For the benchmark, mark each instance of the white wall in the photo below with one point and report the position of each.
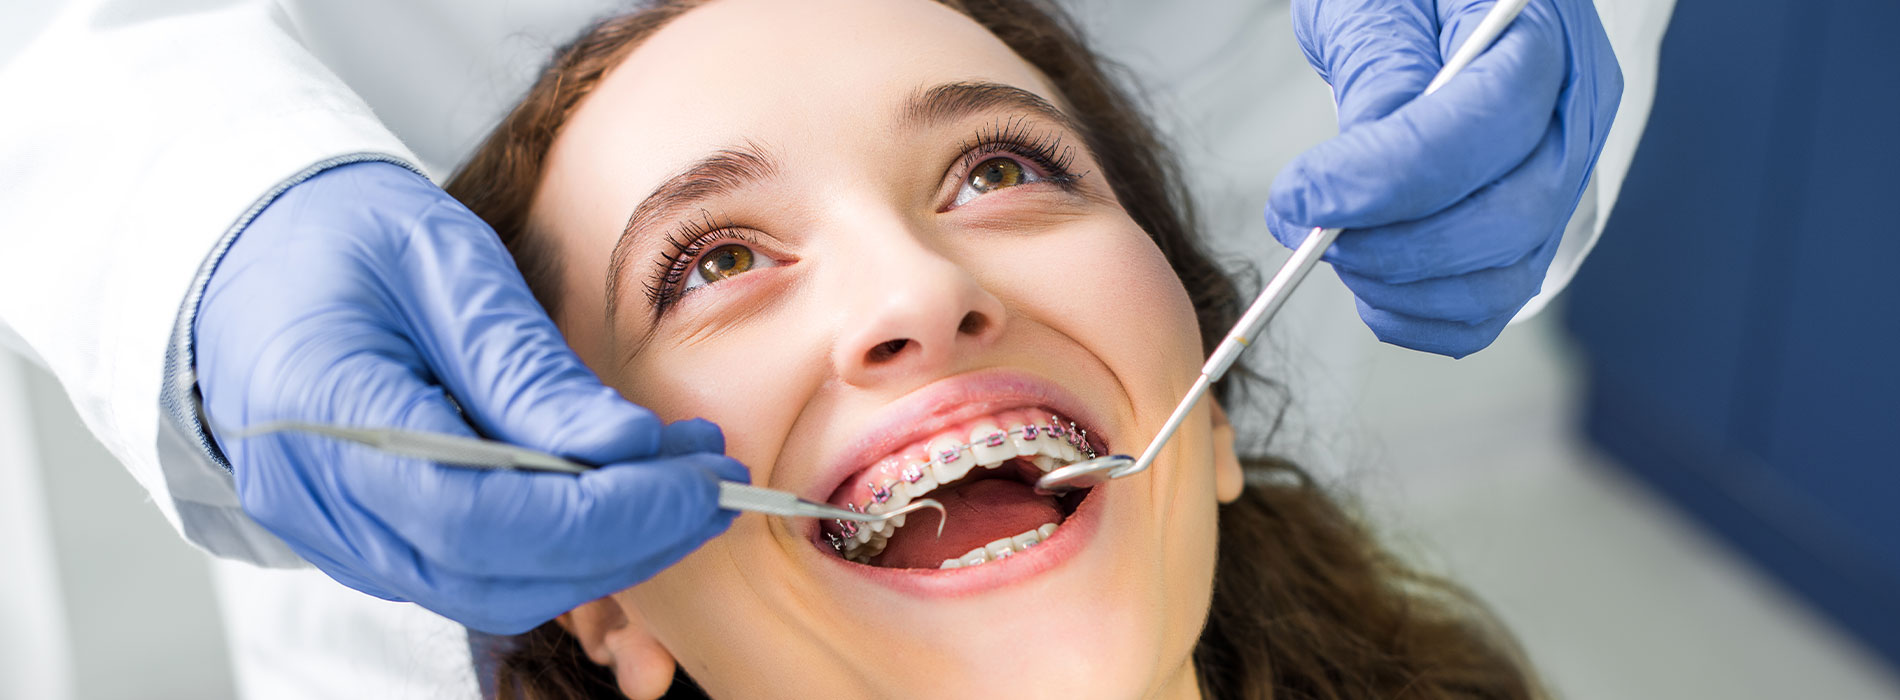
(102, 600)
(35, 658)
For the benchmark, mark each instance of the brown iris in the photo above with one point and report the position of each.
(725, 261)
(995, 174)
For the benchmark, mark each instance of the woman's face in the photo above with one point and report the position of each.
(857, 236)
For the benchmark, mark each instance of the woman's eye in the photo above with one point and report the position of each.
(991, 175)
(725, 262)
(996, 174)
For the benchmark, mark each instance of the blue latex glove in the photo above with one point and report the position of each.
(367, 296)
(1453, 204)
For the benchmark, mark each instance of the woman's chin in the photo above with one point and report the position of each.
(1044, 617)
(1063, 618)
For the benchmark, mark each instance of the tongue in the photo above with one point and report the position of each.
(980, 512)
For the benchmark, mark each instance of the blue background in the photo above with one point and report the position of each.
(1741, 316)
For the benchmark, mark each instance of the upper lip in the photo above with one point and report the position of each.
(942, 404)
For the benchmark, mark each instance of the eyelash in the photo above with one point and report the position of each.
(687, 244)
(1046, 151)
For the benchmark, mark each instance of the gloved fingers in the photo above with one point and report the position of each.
(501, 604)
(1596, 88)
(346, 575)
(339, 502)
(1290, 234)
(1436, 149)
(1376, 58)
(304, 487)
(1454, 339)
(1590, 103)
(288, 481)
(689, 436)
(485, 337)
(1494, 227)
(507, 603)
(509, 523)
(1468, 298)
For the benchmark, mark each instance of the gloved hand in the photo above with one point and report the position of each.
(1454, 203)
(366, 296)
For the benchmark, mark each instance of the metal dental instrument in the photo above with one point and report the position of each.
(1100, 470)
(480, 453)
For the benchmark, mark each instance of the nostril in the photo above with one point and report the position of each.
(973, 324)
(888, 349)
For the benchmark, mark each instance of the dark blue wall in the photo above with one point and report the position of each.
(1741, 316)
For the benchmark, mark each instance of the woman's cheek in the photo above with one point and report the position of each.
(670, 392)
(750, 379)
(707, 370)
(1151, 315)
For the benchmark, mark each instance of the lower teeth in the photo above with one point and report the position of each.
(1001, 549)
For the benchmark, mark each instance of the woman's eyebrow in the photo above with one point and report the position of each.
(950, 102)
(714, 175)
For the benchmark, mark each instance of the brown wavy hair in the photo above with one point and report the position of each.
(1306, 603)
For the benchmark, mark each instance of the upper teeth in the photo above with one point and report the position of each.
(1047, 445)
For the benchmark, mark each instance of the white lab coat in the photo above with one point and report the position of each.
(137, 136)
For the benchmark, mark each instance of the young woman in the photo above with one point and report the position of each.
(915, 249)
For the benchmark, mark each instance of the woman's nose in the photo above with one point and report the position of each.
(912, 312)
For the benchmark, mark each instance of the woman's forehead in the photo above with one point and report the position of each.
(785, 73)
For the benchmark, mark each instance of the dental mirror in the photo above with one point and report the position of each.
(1081, 475)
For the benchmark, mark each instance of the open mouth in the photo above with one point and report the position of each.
(984, 472)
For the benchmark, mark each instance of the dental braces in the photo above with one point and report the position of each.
(1076, 436)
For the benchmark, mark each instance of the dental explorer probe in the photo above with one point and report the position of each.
(1100, 470)
(479, 453)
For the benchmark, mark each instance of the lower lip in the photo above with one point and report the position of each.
(1071, 537)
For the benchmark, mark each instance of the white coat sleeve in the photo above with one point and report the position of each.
(137, 140)
(1636, 30)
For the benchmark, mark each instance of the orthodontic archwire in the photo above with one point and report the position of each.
(1076, 437)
